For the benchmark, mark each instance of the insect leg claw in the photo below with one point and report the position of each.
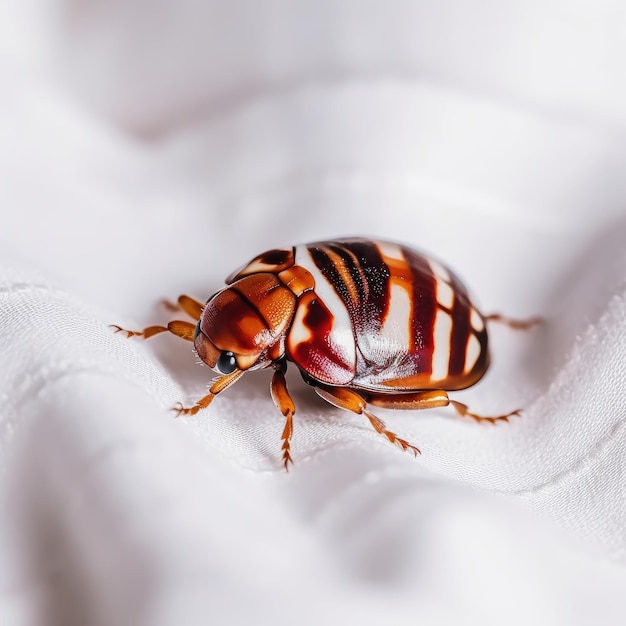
(179, 409)
(119, 329)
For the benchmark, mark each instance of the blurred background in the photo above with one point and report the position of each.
(150, 147)
(243, 118)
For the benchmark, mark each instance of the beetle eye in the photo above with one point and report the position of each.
(226, 363)
(197, 331)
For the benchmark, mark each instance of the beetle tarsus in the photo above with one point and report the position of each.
(179, 409)
(203, 403)
(119, 329)
(514, 323)
(170, 306)
(352, 401)
(284, 403)
(179, 328)
(185, 303)
(464, 411)
(286, 437)
(286, 456)
(381, 429)
(146, 333)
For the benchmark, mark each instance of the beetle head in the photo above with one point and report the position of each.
(244, 325)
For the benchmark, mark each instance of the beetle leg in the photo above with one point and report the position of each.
(284, 402)
(190, 305)
(184, 330)
(352, 401)
(513, 323)
(411, 401)
(218, 386)
(464, 411)
(430, 400)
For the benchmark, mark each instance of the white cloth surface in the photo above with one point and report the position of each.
(175, 148)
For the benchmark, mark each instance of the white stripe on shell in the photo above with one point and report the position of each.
(299, 332)
(472, 352)
(445, 293)
(439, 270)
(441, 351)
(476, 320)
(395, 333)
(391, 250)
(341, 336)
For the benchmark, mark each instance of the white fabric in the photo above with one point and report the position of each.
(164, 144)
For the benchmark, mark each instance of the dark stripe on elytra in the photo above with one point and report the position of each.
(483, 360)
(376, 273)
(461, 328)
(423, 309)
(277, 257)
(354, 269)
(330, 272)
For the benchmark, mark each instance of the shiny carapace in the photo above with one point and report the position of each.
(367, 322)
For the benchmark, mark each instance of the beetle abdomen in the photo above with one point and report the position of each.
(413, 324)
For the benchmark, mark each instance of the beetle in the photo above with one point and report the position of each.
(367, 322)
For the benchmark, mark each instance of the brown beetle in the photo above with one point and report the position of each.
(365, 321)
